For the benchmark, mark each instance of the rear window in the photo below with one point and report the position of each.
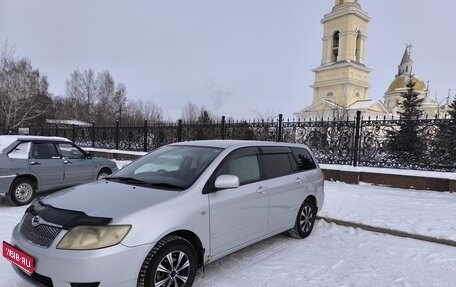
(277, 164)
(304, 159)
(21, 151)
(5, 141)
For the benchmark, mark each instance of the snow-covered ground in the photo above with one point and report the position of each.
(334, 255)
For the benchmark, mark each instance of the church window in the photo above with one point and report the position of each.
(329, 94)
(335, 46)
(357, 94)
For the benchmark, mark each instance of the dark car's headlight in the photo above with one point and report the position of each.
(86, 237)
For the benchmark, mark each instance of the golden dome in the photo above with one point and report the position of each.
(401, 81)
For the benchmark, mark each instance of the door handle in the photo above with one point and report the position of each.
(261, 190)
(298, 180)
(67, 162)
(35, 163)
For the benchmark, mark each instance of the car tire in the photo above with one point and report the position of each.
(103, 173)
(180, 273)
(304, 220)
(22, 192)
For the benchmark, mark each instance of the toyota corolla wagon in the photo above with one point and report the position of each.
(159, 219)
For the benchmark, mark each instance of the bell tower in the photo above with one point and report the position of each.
(342, 77)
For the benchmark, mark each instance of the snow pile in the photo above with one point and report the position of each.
(333, 255)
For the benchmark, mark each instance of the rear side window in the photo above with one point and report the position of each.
(304, 159)
(277, 164)
(21, 151)
(44, 150)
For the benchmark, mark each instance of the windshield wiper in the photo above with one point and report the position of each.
(126, 179)
(165, 185)
(133, 180)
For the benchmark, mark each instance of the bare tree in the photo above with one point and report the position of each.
(267, 116)
(119, 100)
(58, 108)
(138, 111)
(23, 91)
(105, 111)
(82, 90)
(190, 112)
(91, 97)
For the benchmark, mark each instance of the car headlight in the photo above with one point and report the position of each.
(86, 237)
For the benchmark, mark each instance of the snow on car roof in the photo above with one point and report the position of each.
(6, 140)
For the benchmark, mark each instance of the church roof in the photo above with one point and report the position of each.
(361, 105)
(400, 83)
(406, 57)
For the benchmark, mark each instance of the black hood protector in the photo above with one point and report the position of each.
(65, 217)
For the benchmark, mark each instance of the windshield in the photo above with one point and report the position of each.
(169, 167)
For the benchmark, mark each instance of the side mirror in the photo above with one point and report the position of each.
(89, 154)
(227, 181)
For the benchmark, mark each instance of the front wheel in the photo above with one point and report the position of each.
(21, 192)
(172, 262)
(304, 220)
(103, 173)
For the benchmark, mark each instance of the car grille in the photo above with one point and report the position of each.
(42, 235)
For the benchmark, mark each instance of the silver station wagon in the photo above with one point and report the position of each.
(34, 163)
(158, 220)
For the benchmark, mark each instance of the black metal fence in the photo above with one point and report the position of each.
(357, 142)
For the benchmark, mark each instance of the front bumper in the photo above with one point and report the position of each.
(116, 266)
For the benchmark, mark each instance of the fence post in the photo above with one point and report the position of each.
(222, 131)
(73, 133)
(117, 134)
(42, 130)
(179, 131)
(357, 133)
(145, 136)
(93, 134)
(56, 130)
(279, 133)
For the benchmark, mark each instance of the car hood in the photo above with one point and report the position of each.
(108, 199)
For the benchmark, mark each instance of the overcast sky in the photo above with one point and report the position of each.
(236, 57)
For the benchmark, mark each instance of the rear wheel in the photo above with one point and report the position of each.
(304, 220)
(21, 192)
(172, 262)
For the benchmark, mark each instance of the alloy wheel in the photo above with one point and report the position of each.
(173, 270)
(305, 220)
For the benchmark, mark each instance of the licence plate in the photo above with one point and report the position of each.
(18, 258)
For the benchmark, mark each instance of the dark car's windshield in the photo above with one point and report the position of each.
(170, 167)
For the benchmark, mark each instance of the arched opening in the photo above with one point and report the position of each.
(335, 46)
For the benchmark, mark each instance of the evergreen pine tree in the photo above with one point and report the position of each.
(444, 151)
(406, 144)
(410, 103)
